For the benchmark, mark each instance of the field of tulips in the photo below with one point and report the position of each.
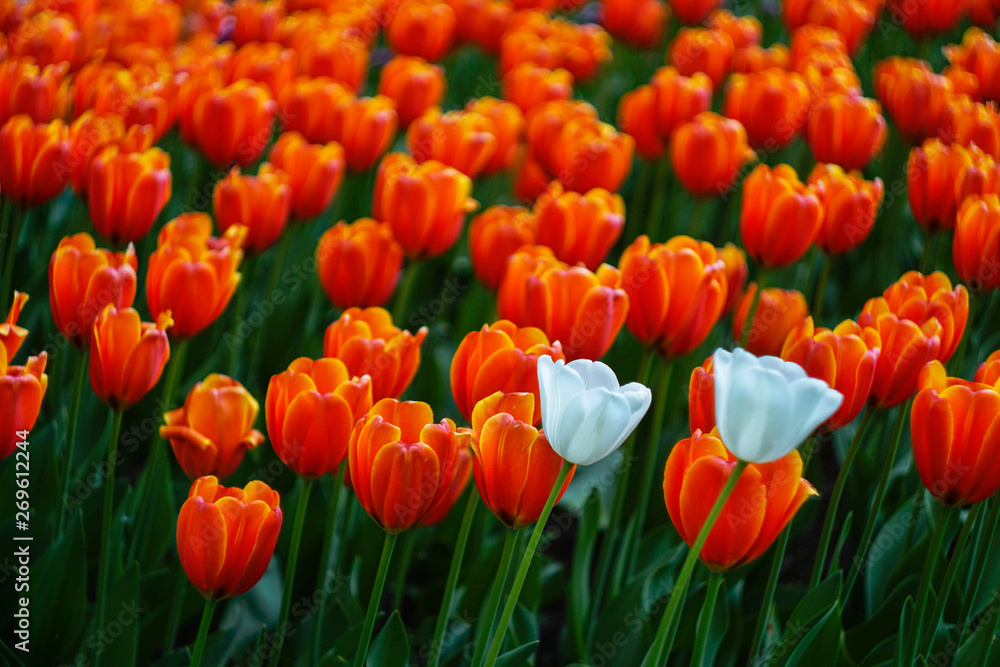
(490, 333)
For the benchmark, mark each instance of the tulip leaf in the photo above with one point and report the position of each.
(718, 628)
(62, 614)
(154, 538)
(806, 634)
(523, 626)
(519, 656)
(391, 648)
(864, 637)
(905, 621)
(886, 562)
(578, 603)
(881, 655)
(820, 644)
(972, 653)
(119, 638)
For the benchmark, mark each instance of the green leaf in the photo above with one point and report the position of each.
(805, 634)
(391, 648)
(578, 602)
(864, 637)
(845, 532)
(519, 656)
(62, 614)
(523, 626)
(153, 538)
(718, 628)
(118, 639)
(886, 563)
(972, 653)
(821, 644)
(905, 621)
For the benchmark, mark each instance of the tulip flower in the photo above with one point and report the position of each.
(41, 171)
(256, 21)
(743, 30)
(693, 11)
(844, 358)
(226, 536)
(676, 291)
(214, 428)
(850, 206)
(916, 98)
(460, 139)
(772, 105)
(501, 357)
(83, 279)
(555, 43)
(528, 85)
(979, 54)
(270, 64)
(232, 124)
(976, 247)
(422, 28)
(413, 84)
(586, 414)
(11, 335)
(127, 192)
(635, 118)
(763, 502)
(48, 37)
(956, 437)
(341, 54)
(755, 58)
(678, 98)
(547, 124)
(424, 204)
(766, 407)
(508, 128)
(701, 398)
(853, 19)
(482, 22)
(26, 88)
(315, 172)
(305, 107)
(583, 310)
(777, 313)
(514, 465)
(779, 216)
(368, 344)
(589, 154)
(737, 272)
(989, 371)
(579, 228)
(192, 274)
(21, 391)
(365, 127)
(496, 234)
(940, 177)
(846, 129)
(311, 409)
(984, 13)
(975, 123)
(636, 22)
(702, 50)
(707, 152)
(127, 356)
(358, 264)
(926, 18)
(261, 204)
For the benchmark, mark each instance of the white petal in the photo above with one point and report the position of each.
(595, 374)
(815, 402)
(788, 369)
(599, 418)
(557, 384)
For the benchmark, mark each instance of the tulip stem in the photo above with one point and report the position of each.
(949, 575)
(452, 582)
(206, 622)
(956, 361)
(705, 617)
(109, 505)
(18, 215)
(522, 570)
(325, 560)
(989, 528)
(403, 295)
(365, 640)
(824, 277)
(838, 491)
(74, 414)
(915, 632)
(754, 303)
(305, 486)
(660, 189)
(665, 634)
(883, 482)
(280, 254)
(403, 568)
(499, 583)
(648, 471)
(235, 339)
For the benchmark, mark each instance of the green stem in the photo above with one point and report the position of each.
(280, 254)
(74, 415)
(176, 607)
(305, 487)
(452, 582)
(705, 617)
(950, 574)
(883, 483)
(956, 363)
(106, 529)
(665, 634)
(648, 472)
(238, 307)
(485, 633)
(206, 622)
(403, 295)
(838, 491)
(990, 526)
(941, 531)
(325, 562)
(403, 568)
(522, 570)
(752, 313)
(18, 216)
(660, 188)
(635, 212)
(365, 640)
(824, 277)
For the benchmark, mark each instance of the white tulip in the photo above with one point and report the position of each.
(585, 414)
(765, 407)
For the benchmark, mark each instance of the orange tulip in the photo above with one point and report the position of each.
(530, 178)
(26, 88)
(579, 228)
(508, 128)
(847, 130)
(422, 28)
(11, 335)
(636, 22)
(956, 437)
(495, 235)
(413, 84)
(49, 37)
(232, 124)
(780, 216)
(707, 152)
(226, 536)
(939, 177)
(191, 274)
(976, 123)
(83, 279)
(677, 291)
(214, 428)
(127, 355)
(141, 95)
(365, 127)
(256, 21)
(404, 467)
(554, 43)
(916, 98)
(928, 17)
(635, 118)
(853, 19)
(844, 358)
(41, 171)
(920, 298)
(425, 204)
(315, 172)
(268, 63)
(678, 98)
(482, 22)
(21, 391)
(809, 40)
(778, 312)
(703, 50)
(693, 11)
(545, 128)
(460, 139)
(850, 205)
(979, 54)
(127, 191)
(369, 344)
(989, 371)
(984, 13)
(976, 248)
(701, 398)
(528, 85)
(90, 133)
(765, 499)
(589, 154)
(500, 357)
(737, 273)
(339, 53)
(311, 409)
(756, 58)
(514, 465)
(358, 264)
(582, 310)
(261, 203)
(305, 105)
(772, 105)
